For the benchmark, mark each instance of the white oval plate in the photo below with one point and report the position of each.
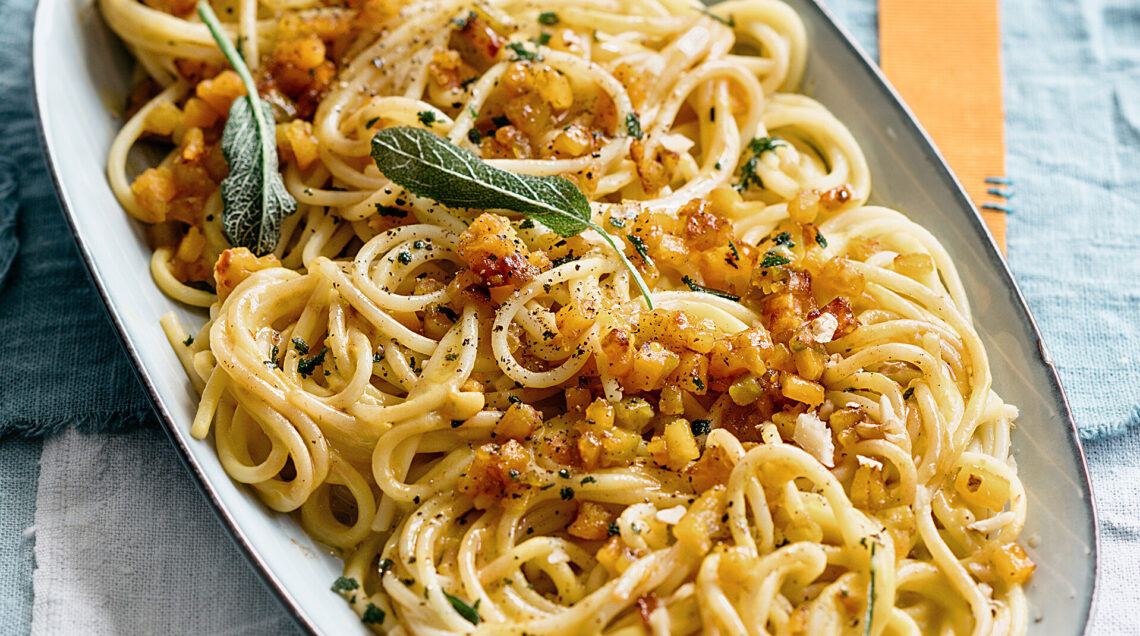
(78, 64)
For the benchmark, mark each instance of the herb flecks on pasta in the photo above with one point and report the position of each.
(641, 359)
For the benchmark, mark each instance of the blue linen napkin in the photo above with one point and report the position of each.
(60, 360)
(1072, 94)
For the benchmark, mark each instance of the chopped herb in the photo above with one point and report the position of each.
(636, 529)
(387, 210)
(542, 40)
(522, 53)
(772, 259)
(762, 145)
(783, 238)
(566, 493)
(419, 245)
(730, 22)
(639, 247)
(300, 345)
(700, 427)
(907, 393)
(451, 357)
(748, 176)
(373, 615)
(474, 136)
(188, 341)
(563, 473)
(758, 147)
(344, 584)
(449, 312)
(273, 351)
(386, 564)
(514, 474)
(548, 18)
(588, 480)
(371, 122)
(377, 358)
(695, 286)
(699, 384)
(633, 126)
(500, 120)
(735, 253)
(870, 595)
(456, 423)
(613, 529)
(462, 22)
(430, 166)
(526, 224)
(514, 399)
(404, 257)
(820, 239)
(716, 165)
(616, 222)
(468, 612)
(562, 260)
(305, 366)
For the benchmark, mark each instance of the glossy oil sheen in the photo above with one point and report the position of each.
(81, 72)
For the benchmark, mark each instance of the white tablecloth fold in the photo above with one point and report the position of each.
(125, 544)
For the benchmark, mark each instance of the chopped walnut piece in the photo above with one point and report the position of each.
(592, 522)
(495, 473)
(655, 170)
(494, 252)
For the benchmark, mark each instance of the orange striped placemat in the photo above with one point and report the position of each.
(945, 59)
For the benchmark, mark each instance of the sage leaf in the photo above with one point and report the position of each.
(254, 197)
(429, 166)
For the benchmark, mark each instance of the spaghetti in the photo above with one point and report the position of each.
(496, 433)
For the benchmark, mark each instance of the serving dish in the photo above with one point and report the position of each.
(81, 71)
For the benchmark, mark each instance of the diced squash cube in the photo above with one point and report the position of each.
(221, 90)
(982, 488)
(518, 422)
(1011, 564)
(696, 530)
(796, 388)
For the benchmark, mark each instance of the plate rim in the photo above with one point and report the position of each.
(234, 530)
(998, 262)
(239, 537)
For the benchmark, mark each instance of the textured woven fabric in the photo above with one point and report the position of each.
(131, 547)
(1114, 465)
(1072, 86)
(62, 363)
(19, 470)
